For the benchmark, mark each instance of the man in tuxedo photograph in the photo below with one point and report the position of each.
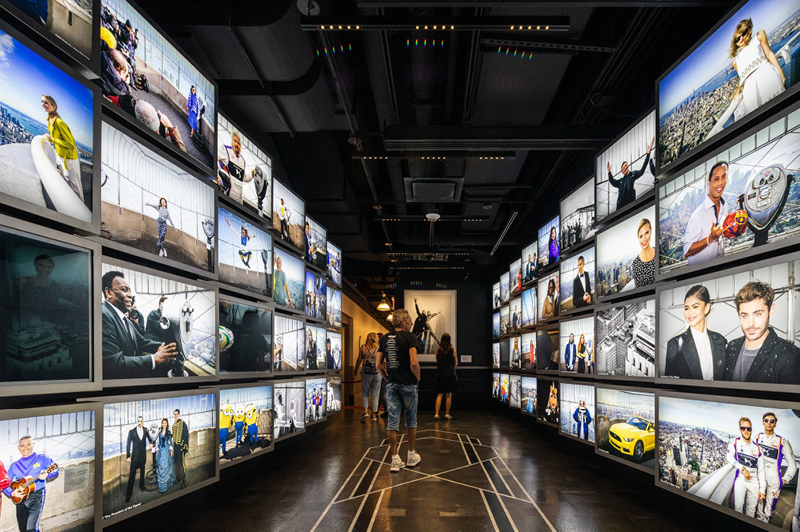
(581, 288)
(126, 353)
(136, 455)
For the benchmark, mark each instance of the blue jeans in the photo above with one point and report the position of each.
(401, 398)
(370, 384)
(162, 233)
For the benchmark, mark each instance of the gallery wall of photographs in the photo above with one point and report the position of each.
(166, 302)
(640, 319)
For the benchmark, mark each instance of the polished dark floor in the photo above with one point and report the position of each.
(491, 470)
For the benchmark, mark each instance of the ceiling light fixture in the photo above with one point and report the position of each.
(411, 23)
(383, 306)
(503, 234)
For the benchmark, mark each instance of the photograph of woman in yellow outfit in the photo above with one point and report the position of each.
(64, 144)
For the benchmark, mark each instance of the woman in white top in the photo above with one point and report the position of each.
(760, 75)
(696, 353)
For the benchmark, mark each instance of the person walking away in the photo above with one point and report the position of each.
(397, 363)
(370, 379)
(446, 362)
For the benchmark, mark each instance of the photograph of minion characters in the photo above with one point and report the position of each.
(744, 197)
(316, 400)
(245, 423)
(548, 402)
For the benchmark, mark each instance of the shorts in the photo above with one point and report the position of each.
(401, 398)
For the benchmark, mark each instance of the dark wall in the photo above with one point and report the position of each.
(473, 337)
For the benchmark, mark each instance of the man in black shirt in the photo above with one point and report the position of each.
(397, 363)
(626, 193)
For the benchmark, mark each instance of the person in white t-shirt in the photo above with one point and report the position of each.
(704, 238)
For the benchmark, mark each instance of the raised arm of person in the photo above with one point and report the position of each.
(611, 180)
(640, 173)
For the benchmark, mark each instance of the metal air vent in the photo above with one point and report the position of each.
(433, 190)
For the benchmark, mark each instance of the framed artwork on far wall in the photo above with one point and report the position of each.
(434, 313)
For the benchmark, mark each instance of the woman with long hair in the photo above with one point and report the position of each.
(165, 471)
(193, 108)
(60, 135)
(370, 379)
(549, 305)
(696, 353)
(552, 248)
(644, 265)
(760, 75)
(583, 354)
(163, 218)
(446, 362)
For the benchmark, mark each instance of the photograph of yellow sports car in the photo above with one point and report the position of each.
(634, 438)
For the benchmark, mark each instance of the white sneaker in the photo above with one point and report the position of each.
(165, 253)
(397, 464)
(413, 459)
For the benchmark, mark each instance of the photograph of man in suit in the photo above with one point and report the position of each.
(760, 355)
(581, 288)
(136, 455)
(180, 444)
(126, 353)
(529, 268)
(570, 354)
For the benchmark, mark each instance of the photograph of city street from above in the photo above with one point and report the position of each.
(626, 340)
(732, 455)
(46, 133)
(728, 76)
(759, 200)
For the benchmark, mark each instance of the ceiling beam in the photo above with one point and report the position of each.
(547, 46)
(545, 138)
(534, 24)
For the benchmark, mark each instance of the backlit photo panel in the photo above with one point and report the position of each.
(505, 320)
(504, 288)
(728, 454)
(315, 348)
(625, 170)
(505, 388)
(245, 254)
(71, 22)
(243, 170)
(495, 355)
(548, 353)
(743, 198)
(288, 215)
(60, 442)
(515, 278)
(577, 281)
(549, 402)
(626, 339)
(496, 295)
(515, 389)
(47, 136)
(549, 296)
(150, 82)
(316, 297)
(577, 346)
(496, 386)
(578, 412)
(316, 244)
(528, 396)
(145, 430)
(529, 307)
(549, 243)
(754, 343)
(289, 353)
(154, 206)
(527, 346)
(333, 350)
(626, 258)
(288, 280)
(334, 310)
(734, 72)
(245, 337)
(515, 314)
(530, 262)
(334, 394)
(156, 327)
(245, 423)
(334, 260)
(47, 320)
(289, 405)
(496, 325)
(316, 400)
(577, 216)
(505, 354)
(515, 352)
(626, 426)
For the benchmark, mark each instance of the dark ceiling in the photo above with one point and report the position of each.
(391, 120)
